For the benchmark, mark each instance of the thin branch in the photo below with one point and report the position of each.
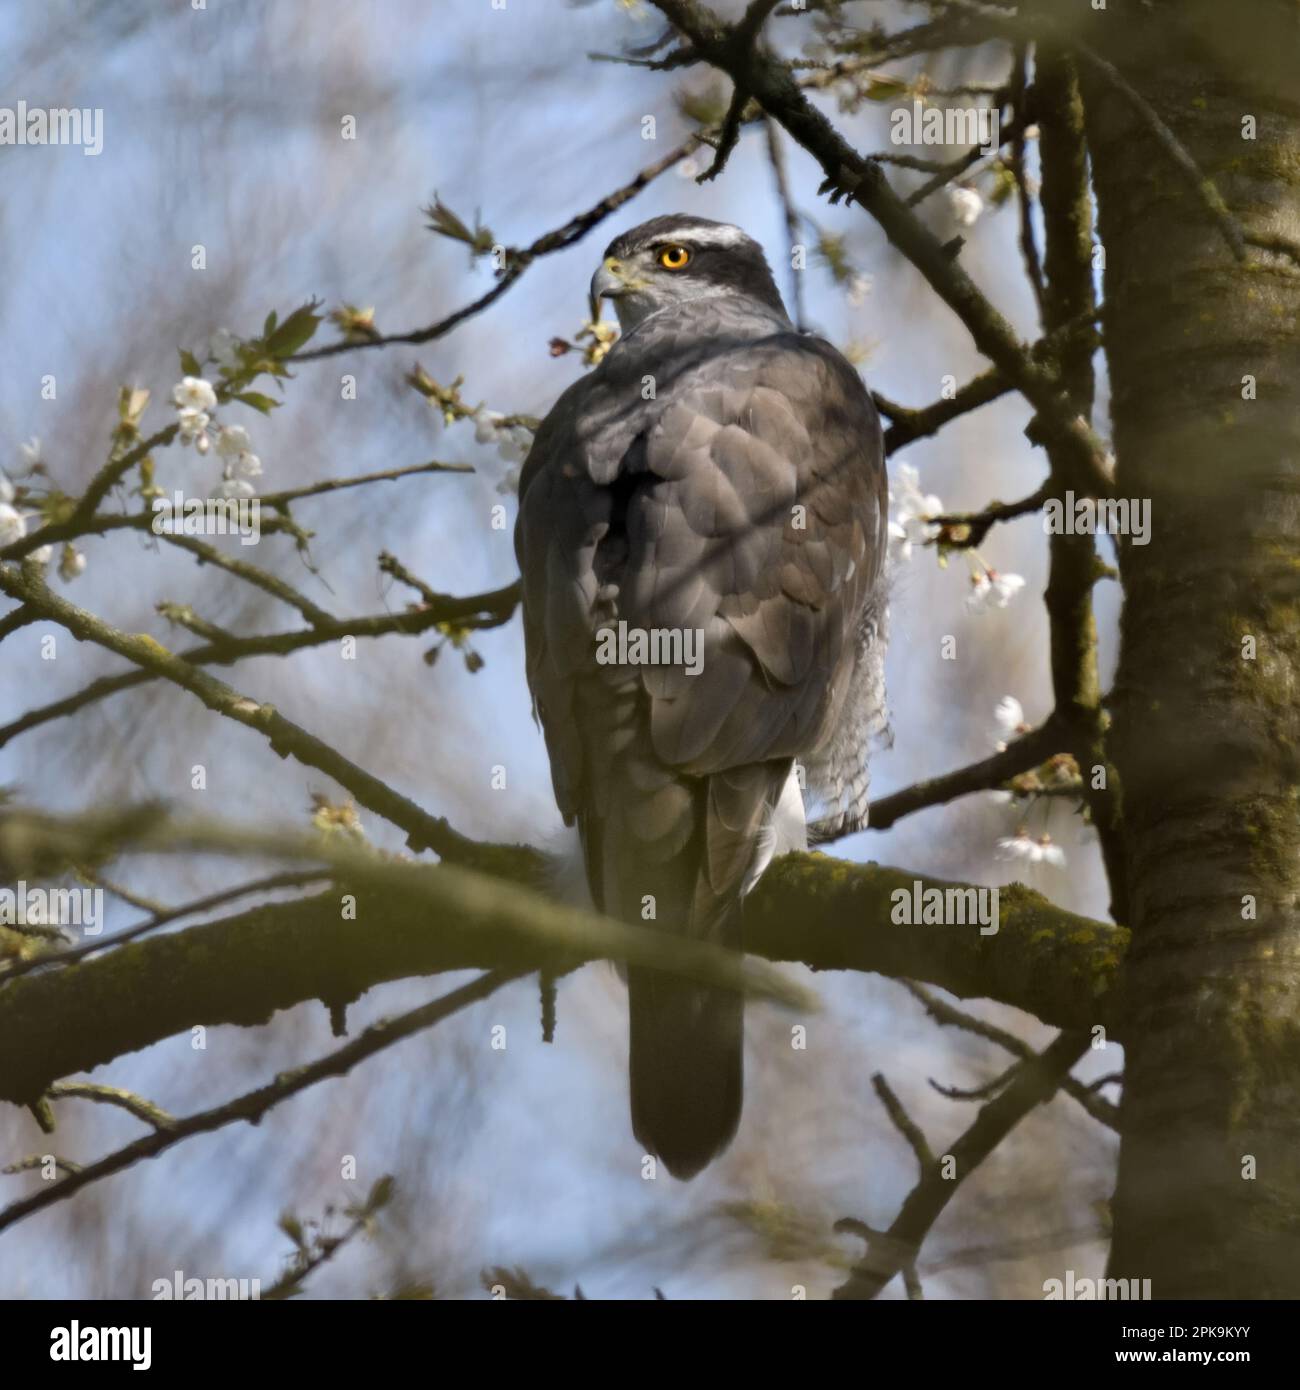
(1031, 750)
(21, 617)
(24, 1165)
(946, 1014)
(776, 158)
(1028, 244)
(729, 136)
(911, 161)
(909, 425)
(966, 530)
(153, 1115)
(286, 738)
(104, 523)
(945, 173)
(825, 913)
(253, 1105)
(233, 649)
(310, 1256)
(989, 1088)
(1074, 566)
(849, 175)
(903, 1122)
(518, 261)
(132, 899)
(160, 917)
(113, 472)
(279, 499)
(207, 554)
(475, 611)
(945, 31)
(888, 1254)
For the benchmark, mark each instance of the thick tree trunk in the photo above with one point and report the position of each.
(1207, 700)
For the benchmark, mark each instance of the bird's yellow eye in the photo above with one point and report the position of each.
(674, 257)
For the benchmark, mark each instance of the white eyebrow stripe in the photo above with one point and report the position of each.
(705, 236)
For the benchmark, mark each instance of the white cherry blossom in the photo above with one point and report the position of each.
(193, 393)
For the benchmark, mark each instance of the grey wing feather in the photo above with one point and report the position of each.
(747, 502)
(773, 496)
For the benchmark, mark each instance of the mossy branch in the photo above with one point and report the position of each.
(420, 920)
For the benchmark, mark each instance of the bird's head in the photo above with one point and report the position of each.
(677, 258)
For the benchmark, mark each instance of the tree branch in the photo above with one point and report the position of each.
(404, 919)
(1031, 750)
(848, 174)
(888, 1254)
(828, 914)
(518, 261)
(286, 738)
(252, 1105)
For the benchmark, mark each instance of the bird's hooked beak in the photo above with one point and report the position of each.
(608, 282)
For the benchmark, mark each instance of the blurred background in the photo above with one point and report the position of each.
(223, 128)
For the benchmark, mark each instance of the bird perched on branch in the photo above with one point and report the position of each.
(702, 536)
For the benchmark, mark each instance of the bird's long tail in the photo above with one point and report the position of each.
(686, 1067)
(686, 1039)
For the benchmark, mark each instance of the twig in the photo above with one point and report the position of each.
(24, 1165)
(965, 530)
(909, 425)
(142, 1109)
(114, 471)
(311, 1254)
(279, 499)
(1028, 245)
(888, 1254)
(161, 917)
(21, 617)
(903, 1122)
(252, 1105)
(989, 1088)
(1034, 748)
(517, 262)
(946, 1014)
(945, 173)
(776, 158)
(850, 176)
(207, 554)
(475, 611)
(423, 831)
(729, 136)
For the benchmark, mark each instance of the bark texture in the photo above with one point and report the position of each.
(1207, 722)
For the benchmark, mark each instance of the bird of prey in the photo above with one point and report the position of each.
(702, 534)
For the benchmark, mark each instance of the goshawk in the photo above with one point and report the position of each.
(702, 534)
